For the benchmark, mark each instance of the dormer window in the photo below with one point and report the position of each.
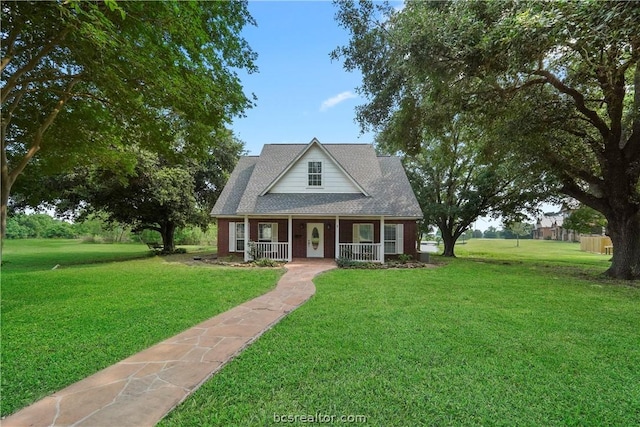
(315, 174)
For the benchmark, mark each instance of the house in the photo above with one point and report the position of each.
(549, 227)
(317, 201)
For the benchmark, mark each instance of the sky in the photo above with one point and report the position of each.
(301, 93)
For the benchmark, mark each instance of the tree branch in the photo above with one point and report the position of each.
(46, 49)
(10, 44)
(572, 189)
(37, 139)
(631, 149)
(578, 98)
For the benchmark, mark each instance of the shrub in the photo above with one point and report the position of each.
(60, 230)
(404, 258)
(344, 262)
(17, 231)
(175, 251)
(266, 262)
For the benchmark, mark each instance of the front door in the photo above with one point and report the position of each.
(315, 240)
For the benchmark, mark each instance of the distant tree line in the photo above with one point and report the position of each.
(96, 229)
(509, 231)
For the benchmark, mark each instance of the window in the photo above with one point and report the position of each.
(315, 174)
(393, 238)
(267, 232)
(239, 236)
(236, 237)
(390, 238)
(363, 233)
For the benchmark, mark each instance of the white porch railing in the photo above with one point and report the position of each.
(370, 252)
(277, 251)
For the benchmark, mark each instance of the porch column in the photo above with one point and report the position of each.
(382, 239)
(337, 238)
(247, 238)
(289, 239)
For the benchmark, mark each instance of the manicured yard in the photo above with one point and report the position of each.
(538, 251)
(44, 254)
(514, 336)
(59, 326)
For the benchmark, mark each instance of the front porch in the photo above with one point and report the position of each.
(277, 251)
(366, 239)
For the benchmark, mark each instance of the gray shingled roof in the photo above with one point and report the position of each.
(383, 178)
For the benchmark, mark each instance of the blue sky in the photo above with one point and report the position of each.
(301, 93)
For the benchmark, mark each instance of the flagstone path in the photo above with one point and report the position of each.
(143, 388)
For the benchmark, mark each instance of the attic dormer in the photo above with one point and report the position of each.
(314, 170)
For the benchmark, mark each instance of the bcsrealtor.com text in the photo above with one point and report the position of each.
(318, 418)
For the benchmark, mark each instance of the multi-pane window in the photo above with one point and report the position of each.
(239, 236)
(390, 238)
(266, 232)
(393, 238)
(364, 233)
(315, 174)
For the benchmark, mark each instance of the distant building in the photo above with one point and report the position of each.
(549, 227)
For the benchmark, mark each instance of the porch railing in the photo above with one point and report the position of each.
(277, 251)
(370, 252)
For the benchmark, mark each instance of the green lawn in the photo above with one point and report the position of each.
(44, 254)
(59, 326)
(505, 336)
(538, 251)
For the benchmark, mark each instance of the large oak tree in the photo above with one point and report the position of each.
(82, 80)
(160, 194)
(459, 174)
(559, 81)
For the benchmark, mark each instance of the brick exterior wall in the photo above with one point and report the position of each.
(223, 237)
(299, 234)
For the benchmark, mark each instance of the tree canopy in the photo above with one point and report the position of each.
(585, 220)
(557, 82)
(458, 177)
(160, 194)
(83, 80)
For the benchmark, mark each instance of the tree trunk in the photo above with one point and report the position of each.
(4, 201)
(624, 230)
(167, 232)
(449, 243)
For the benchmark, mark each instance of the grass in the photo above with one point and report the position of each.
(533, 251)
(507, 336)
(59, 326)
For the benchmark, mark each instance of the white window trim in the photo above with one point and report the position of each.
(244, 238)
(315, 173)
(233, 239)
(399, 240)
(232, 236)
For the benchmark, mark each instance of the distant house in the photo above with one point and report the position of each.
(317, 201)
(549, 227)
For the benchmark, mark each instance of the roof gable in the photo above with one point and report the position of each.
(385, 187)
(289, 180)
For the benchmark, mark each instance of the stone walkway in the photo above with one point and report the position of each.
(143, 388)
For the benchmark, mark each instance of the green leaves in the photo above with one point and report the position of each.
(556, 84)
(83, 80)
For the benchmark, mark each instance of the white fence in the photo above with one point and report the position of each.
(361, 251)
(278, 251)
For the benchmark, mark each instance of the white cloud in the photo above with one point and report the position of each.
(335, 100)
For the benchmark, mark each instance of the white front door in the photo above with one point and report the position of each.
(315, 240)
